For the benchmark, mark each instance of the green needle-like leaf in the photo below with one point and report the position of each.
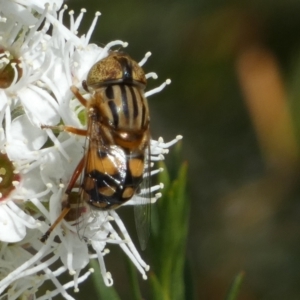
(170, 224)
(235, 286)
(136, 293)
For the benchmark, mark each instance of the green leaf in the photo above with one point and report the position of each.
(157, 290)
(82, 117)
(168, 237)
(136, 293)
(235, 286)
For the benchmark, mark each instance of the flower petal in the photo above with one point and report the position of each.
(11, 230)
(77, 256)
(38, 109)
(32, 136)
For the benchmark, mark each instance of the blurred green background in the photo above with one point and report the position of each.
(235, 97)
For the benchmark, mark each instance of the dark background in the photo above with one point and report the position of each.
(235, 98)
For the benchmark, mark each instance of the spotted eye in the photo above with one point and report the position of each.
(115, 68)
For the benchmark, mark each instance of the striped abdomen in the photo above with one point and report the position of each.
(112, 177)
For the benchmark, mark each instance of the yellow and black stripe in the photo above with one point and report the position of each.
(118, 133)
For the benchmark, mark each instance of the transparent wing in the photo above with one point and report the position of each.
(93, 144)
(142, 207)
(82, 211)
(103, 176)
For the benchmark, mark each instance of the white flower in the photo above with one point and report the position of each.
(24, 184)
(34, 91)
(23, 105)
(22, 10)
(27, 264)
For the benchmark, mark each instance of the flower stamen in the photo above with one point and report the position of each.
(151, 75)
(92, 27)
(158, 89)
(79, 19)
(144, 60)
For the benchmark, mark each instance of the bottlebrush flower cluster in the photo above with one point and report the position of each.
(40, 59)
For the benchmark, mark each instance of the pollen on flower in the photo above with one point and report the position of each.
(10, 70)
(158, 89)
(144, 60)
(157, 196)
(106, 251)
(9, 179)
(109, 278)
(112, 236)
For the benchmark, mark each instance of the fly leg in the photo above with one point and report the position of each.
(59, 128)
(78, 170)
(76, 93)
(70, 129)
(66, 202)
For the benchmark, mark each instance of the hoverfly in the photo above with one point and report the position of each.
(118, 139)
